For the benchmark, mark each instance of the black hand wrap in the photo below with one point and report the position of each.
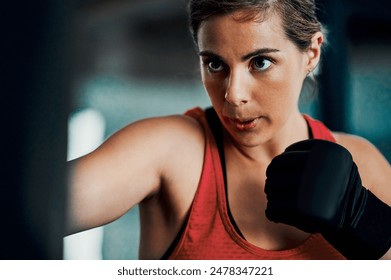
(315, 186)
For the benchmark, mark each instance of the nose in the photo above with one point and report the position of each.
(238, 89)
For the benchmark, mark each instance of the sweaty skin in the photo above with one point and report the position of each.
(253, 75)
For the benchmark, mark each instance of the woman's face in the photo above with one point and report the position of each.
(253, 75)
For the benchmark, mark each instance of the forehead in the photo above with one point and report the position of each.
(231, 30)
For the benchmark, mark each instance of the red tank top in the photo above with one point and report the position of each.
(209, 232)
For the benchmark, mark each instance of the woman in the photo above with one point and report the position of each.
(199, 179)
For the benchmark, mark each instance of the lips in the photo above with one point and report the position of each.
(244, 124)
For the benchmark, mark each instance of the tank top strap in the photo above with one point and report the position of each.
(318, 130)
(204, 214)
(208, 232)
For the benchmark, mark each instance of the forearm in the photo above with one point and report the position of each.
(387, 255)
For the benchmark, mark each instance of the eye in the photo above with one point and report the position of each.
(215, 65)
(261, 64)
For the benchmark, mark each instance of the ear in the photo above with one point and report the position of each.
(314, 52)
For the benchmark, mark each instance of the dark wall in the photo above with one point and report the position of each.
(355, 92)
(35, 99)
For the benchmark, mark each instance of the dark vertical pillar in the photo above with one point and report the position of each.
(34, 108)
(334, 79)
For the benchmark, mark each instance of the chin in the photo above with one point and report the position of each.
(249, 140)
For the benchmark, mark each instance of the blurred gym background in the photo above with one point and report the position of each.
(75, 72)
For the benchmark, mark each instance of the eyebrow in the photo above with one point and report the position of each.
(258, 52)
(244, 57)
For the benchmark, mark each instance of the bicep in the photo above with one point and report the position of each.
(106, 183)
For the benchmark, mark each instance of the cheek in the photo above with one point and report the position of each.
(215, 88)
(279, 99)
(278, 91)
(287, 84)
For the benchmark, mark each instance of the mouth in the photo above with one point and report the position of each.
(244, 124)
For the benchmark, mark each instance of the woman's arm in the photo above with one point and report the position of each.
(328, 195)
(127, 168)
(375, 170)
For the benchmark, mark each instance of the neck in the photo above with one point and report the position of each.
(294, 130)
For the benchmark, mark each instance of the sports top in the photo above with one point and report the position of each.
(210, 231)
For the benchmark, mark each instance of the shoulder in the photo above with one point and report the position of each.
(160, 131)
(162, 143)
(168, 137)
(148, 148)
(144, 155)
(375, 170)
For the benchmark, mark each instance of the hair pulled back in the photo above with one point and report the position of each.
(299, 17)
